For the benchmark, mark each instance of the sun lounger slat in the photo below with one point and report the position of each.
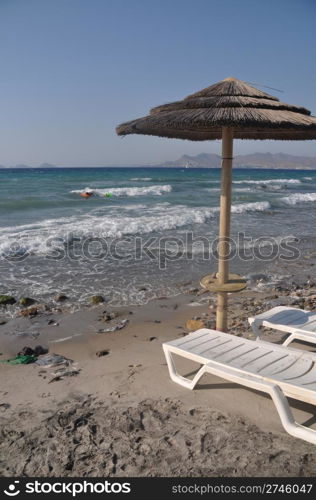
(311, 384)
(307, 379)
(288, 319)
(252, 356)
(191, 340)
(310, 325)
(199, 346)
(241, 357)
(264, 362)
(206, 345)
(295, 372)
(293, 366)
(219, 348)
(274, 362)
(283, 312)
(234, 352)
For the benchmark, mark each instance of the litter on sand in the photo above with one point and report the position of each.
(63, 372)
(65, 367)
(117, 326)
(24, 359)
(50, 360)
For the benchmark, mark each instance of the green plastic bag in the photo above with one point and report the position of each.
(20, 360)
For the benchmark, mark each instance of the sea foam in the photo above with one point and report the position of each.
(141, 179)
(269, 181)
(295, 198)
(42, 237)
(257, 206)
(127, 191)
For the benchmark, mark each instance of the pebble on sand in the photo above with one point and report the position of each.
(97, 299)
(60, 297)
(103, 352)
(29, 312)
(26, 301)
(7, 300)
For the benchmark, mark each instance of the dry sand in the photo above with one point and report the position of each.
(123, 416)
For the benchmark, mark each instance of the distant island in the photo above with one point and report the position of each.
(267, 160)
(209, 160)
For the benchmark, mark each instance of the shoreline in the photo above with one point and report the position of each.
(128, 387)
(262, 276)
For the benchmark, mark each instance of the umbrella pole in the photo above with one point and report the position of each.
(224, 225)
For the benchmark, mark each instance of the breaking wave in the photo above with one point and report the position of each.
(126, 191)
(295, 198)
(41, 237)
(269, 181)
(145, 179)
(258, 206)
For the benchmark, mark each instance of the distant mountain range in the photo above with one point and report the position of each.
(267, 160)
(209, 160)
(43, 165)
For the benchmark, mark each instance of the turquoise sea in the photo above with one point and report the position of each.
(144, 231)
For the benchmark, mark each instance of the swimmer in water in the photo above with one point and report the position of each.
(86, 194)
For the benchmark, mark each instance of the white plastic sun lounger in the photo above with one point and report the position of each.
(270, 368)
(299, 323)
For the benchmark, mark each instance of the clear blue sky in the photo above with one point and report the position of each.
(71, 70)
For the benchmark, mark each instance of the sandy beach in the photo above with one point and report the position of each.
(115, 411)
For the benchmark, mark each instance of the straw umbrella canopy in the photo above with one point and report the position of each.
(226, 110)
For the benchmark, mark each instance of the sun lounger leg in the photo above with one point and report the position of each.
(289, 339)
(179, 379)
(287, 418)
(309, 337)
(280, 401)
(255, 328)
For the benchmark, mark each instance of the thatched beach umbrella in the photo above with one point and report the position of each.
(226, 110)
